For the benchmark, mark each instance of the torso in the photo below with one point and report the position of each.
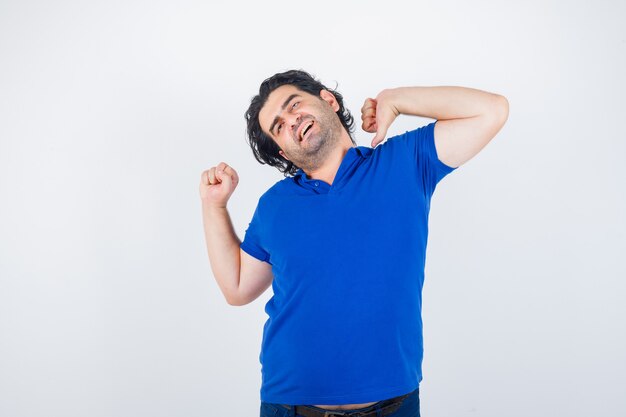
(345, 406)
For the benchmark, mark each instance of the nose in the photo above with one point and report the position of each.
(294, 120)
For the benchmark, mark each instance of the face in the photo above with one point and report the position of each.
(304, 126)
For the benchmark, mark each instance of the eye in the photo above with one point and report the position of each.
(295, 104)
(278, 129)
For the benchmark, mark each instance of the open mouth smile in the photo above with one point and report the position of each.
(304, 129)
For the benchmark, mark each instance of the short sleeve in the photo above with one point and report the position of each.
(251, 243)
(420, 144)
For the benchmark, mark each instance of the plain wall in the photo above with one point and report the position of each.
(110, 111)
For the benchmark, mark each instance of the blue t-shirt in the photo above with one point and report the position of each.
(344, 324)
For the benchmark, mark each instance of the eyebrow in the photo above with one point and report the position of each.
(291, 97)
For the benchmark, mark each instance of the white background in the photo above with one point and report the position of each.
(109, 113)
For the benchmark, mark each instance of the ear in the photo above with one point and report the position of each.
(283, 154)
(328, 97)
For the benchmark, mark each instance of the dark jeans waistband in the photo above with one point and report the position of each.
(380, 404)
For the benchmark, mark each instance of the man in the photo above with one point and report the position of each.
(342, 239)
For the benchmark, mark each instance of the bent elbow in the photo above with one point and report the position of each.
(234, 302)
(503, 106)
(237, 301)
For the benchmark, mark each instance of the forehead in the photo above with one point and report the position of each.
(275, 100)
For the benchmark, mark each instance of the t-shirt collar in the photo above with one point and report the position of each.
(354, 153)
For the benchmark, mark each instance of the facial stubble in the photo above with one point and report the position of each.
(312, 154)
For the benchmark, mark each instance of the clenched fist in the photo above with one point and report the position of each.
(217, 185)
(378, 114)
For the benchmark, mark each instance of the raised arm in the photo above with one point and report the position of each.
(467, 118)
(241, 277)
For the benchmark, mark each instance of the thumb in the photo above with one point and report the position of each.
(380, 135)
(224, 178)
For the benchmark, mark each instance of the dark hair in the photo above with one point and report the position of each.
(264, 148)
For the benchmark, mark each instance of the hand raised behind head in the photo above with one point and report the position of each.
(377, 115)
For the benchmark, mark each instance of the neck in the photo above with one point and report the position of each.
(328, 170)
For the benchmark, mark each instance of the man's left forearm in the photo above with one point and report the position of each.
(442, 102)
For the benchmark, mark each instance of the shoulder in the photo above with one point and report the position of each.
(277, 190)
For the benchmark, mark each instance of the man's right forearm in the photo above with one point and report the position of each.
(223, 248)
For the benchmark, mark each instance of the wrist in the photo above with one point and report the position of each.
(391, 97)
(212, 207)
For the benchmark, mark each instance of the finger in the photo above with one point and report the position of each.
(221, 166)
(211, 175)
(224, 178)
(227, 170)
(369, 121)
(204, 178)
(369, 126)
(371, 112)
(233, 174)
(369, 102)
(220, 171)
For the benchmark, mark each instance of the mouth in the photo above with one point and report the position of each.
(304, 129)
